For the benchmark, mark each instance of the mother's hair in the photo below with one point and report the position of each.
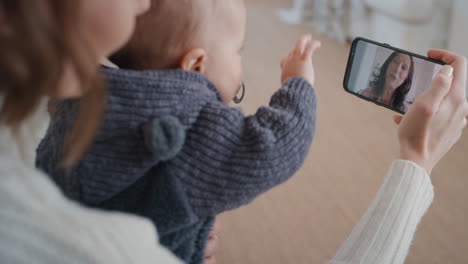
(38, 39)
(400, 93)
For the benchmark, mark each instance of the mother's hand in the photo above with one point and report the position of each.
(435, 121)
(212, 244)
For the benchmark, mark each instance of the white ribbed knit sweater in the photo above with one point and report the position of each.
(39, 225)
(385, 232)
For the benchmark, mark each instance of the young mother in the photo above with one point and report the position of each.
(51, 49)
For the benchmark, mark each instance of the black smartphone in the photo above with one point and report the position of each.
(388, 76)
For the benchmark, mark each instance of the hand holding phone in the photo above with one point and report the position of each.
(386, 75)
(436, 120)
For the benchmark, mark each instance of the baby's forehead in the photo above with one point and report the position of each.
(211, 17)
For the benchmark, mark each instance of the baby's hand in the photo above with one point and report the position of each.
(299, 61)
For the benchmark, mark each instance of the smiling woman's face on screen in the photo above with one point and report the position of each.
(397, 71)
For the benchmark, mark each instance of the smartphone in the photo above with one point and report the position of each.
(388, 76)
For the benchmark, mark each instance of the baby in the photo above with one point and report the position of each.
(170, 147)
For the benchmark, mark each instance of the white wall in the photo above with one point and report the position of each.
(401, 24)
(458, 41)
(409, 24)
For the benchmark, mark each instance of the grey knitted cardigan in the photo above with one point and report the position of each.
(169, 149)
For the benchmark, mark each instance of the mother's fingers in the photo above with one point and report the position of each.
(216, 228)
(440, 87)
(459, 65)
(211, 246)
(442, 55)
(461, 129)
(397, 119)
(461, 111)
(210, 260)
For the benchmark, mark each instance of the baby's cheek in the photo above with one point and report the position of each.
(232, 91)
(225, 91)
(234, 85)
(239, 80)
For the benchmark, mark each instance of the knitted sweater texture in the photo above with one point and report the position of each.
(169, 149)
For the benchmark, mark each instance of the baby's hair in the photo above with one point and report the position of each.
(164, 34)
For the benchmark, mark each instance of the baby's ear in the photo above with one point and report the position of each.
(194, 60)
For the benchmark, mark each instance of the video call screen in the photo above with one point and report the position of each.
(389, 77)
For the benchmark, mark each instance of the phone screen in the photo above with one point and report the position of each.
(388, 76)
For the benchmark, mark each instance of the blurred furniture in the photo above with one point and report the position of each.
(328, 16)
(458, 41)
(415, 25)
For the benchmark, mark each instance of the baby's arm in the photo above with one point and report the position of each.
(229, 159)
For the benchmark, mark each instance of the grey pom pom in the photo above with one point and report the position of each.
(164, 137)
